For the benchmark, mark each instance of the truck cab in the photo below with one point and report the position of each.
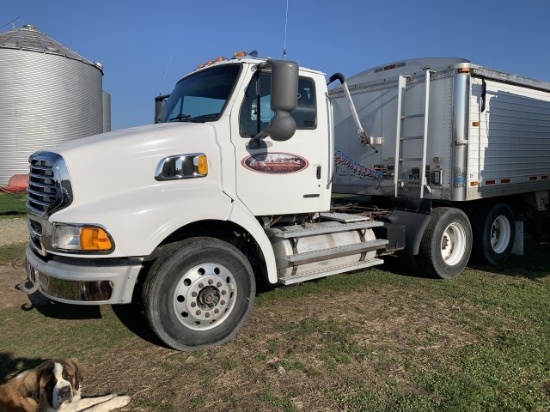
(235, 97)
(231, 183)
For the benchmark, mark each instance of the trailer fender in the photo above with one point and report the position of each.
(415, 225)
(240, 215)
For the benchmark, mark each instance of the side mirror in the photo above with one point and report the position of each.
(284, 96)
(159, 104)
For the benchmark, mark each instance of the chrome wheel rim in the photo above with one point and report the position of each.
(205, 296)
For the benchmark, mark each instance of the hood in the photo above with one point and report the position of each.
(125, 160)
(136, 136)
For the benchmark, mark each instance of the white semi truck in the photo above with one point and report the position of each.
(235, 180)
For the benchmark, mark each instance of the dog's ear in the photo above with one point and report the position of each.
(78, 373)
(32, 382)
(78, 377)
(41, 380)
(36, 393)
(29, 386)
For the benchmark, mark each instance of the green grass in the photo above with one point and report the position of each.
(376, 340)
(12, 205)
(9, 253)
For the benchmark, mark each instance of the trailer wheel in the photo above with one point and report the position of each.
(198, 293)
(447, 243)
(494, 234)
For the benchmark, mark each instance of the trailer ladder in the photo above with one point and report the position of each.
(400, 138)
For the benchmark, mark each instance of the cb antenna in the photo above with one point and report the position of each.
(286, 25)
(165, 73)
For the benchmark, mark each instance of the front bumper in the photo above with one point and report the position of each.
(84, 281)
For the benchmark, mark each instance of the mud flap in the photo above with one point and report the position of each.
(414, 215)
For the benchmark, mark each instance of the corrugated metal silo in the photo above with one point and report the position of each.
(48, 94)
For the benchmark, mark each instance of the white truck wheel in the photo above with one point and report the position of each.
(447, 243)
(198, 293)
(494, 234)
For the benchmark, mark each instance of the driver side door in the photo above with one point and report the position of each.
(281, 177)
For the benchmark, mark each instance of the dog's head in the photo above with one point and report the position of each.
(51, 387)
(57, 381)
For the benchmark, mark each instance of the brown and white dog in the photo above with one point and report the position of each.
(53, 386)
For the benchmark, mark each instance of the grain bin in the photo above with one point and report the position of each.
(48, 94)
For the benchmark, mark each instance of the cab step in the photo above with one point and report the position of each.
(334, 270)
(313, 229)
(335, 252)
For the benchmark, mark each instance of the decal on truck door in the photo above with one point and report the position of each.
(275, 163)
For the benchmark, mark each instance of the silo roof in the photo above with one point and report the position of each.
(28, 38)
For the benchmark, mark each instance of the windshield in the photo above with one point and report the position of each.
(200, 97)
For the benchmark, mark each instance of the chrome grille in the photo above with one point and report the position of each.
(35, 238)
(49, 186)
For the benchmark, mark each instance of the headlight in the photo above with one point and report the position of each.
(81, 238)
(184, 166)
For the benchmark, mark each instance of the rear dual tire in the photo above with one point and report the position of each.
(446, 244)
(494, 233)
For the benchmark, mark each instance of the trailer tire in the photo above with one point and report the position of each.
(446, 244)
(198, 293)
(494, 234)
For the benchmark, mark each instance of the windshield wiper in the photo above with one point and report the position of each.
(203, 118)
(180, 118)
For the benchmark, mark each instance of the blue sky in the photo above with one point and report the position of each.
(145, 46)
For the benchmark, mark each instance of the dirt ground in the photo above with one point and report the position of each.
(13, 231)
(12, 283)
(268, 366)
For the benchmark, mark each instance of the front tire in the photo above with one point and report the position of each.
(198, 293)
(446, 244)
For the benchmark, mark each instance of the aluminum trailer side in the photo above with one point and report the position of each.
(476, 132)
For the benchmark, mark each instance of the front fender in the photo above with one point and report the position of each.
(139, 221)
(240, 215)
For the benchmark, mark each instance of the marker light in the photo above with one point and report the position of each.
(201, 164)
(222, 59)
(94, 239)
(78, 238)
